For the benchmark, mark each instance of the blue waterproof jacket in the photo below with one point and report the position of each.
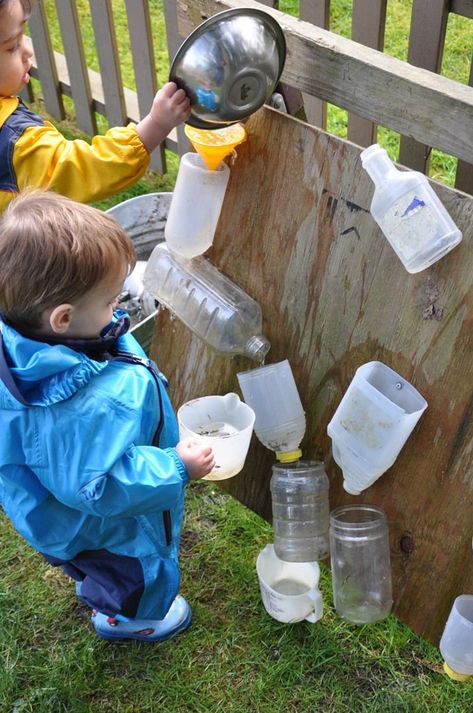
(77, 468)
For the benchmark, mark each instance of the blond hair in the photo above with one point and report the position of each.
(53, 251)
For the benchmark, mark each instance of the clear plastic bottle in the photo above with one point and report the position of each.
(208, 302)
(300, 511)
(361, 565)
(272, 393)
(409, 212)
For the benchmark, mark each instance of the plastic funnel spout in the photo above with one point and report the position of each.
(214, 145)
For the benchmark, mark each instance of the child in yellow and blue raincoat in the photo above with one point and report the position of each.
(91, 471)
(33, 153)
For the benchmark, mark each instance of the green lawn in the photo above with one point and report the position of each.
(234, 658)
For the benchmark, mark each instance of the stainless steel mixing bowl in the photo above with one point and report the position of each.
(229, 66)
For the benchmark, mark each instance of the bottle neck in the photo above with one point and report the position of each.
(378, 165)
(257, 347)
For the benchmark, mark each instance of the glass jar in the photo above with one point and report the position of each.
(361, 567)
(300, 511)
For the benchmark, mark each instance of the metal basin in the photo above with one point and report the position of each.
(229, 66)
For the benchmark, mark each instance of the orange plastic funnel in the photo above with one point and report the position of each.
(213, 145)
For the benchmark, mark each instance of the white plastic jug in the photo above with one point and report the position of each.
(289, 590)
(409, 212)
(371, 424)
(223, 422)
(195, 207)
(280, 420)
(456, 644)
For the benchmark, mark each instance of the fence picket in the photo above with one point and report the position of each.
(464, 175)
(105, 40)
(139, 26)
(76, 64)
(368, 23)
(318, 13)
(426, 42)
(46, 72)
(173, 43)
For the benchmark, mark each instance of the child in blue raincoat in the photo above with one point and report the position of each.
(91, 471)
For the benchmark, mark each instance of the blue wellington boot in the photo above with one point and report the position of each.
(176, 620)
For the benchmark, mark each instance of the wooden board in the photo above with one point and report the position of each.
(296, 233)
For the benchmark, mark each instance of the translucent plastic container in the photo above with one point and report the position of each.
(372, 423)
(299, 493)
(280, 420)
(361, 564)
(208, 302)
(223, 422)
(456, 644)
(409, 212)
(289, 590)
(195, 207)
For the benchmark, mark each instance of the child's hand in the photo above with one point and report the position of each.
(171, 106)
(198, 459)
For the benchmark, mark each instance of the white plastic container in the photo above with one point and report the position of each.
(216, 309)
(371, 424)
(456, 644)
(289, 590)
(409, 212)
(223, 422)
(195, 207)
(280, 420)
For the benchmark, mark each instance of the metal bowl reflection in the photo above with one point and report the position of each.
(229, 66)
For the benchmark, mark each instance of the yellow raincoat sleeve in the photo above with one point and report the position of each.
(43, 158)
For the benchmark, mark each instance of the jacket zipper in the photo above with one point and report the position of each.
(167, 526)
(148, 364)
(155, 373)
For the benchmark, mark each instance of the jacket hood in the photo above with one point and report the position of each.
(44, 374)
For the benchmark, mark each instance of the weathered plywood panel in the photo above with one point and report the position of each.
(296, 233)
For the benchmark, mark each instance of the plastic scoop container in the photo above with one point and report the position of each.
(372, 423)
(223, 422)
(289, 590)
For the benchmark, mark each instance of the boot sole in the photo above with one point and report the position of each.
(151, 639)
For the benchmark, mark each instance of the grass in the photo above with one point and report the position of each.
(234, 658)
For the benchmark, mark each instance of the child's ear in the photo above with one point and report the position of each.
(60, 318)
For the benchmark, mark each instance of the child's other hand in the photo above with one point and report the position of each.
(198, 459)
(171, 106)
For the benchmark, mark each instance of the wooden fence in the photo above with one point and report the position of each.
(105, 93)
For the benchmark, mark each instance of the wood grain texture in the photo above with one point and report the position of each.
(295, 232)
